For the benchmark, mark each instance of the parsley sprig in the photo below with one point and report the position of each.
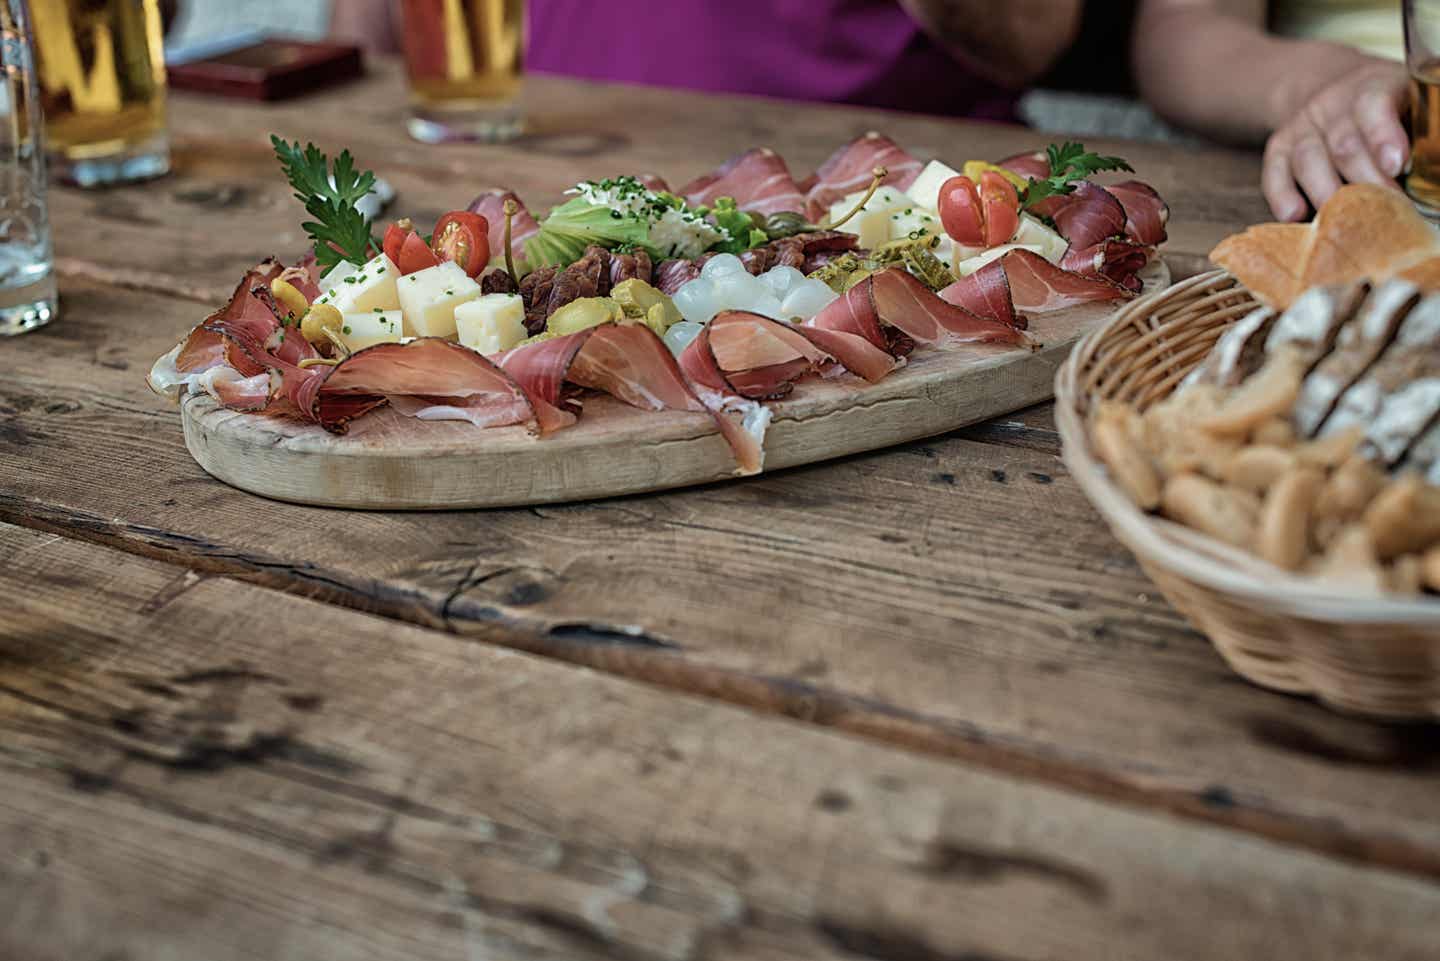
(1069, 163)
(340, 231)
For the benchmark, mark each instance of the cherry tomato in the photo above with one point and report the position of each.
(999, 207)
(395, 235)
(960, 212)
(415, 254)
(464, 238)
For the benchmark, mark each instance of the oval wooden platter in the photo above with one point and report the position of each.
(392, 462)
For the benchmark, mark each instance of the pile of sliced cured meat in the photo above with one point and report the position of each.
(243, 357)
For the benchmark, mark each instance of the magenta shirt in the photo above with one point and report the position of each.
(844, 51)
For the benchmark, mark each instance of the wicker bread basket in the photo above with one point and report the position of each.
(1363, 654)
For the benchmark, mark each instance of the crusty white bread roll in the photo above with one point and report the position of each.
(1267, 259)
(1363, 231)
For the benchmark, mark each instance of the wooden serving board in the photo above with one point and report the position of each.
(393, 462)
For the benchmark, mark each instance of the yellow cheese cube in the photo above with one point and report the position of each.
(359, 331)
(429, 297)
(925, 191)
(1033, 233)
(968, 265)
(493, 323)
(369, 286)
(872, 223)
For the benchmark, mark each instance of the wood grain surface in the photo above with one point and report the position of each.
(172, 738)
(914, 705)
(390, 461)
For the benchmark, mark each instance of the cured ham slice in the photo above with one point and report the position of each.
(1038, 285)
(1146, 214)
(428, 378)
(1029, 165)
(1118, 260)
(238, 350)
(491, 206)
(853, 352)
(759, 358)
(848, 170)
(654, 182)
(234, 391)
(985, 293)
(627, 361)
(896, 299)
(633, 365)
(1087, 216)
(713, 364)
(540, 369)
(758, 180)
(305, 275)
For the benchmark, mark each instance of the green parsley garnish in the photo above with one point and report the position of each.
(1069, 163)
(339, 230)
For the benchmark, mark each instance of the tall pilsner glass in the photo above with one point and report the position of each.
(1422, 56)
(465, 59)
(27, 281)
(102, 76)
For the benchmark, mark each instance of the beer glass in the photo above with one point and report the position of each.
(102, 83)
(464, 59)
(27, 283)
(1422, 56)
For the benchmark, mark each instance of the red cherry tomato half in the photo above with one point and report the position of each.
(464, 238)
(415, 254)
(960, 212)
(1000, 208)
(395, 235)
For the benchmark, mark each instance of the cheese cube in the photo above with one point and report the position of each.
(429, 297)
(1033, 233)
(925, 191)
(872, 223)
(493, 323)
(336, 274)
(359, 331)
(911, 219)
(967, 266)
(371, 285)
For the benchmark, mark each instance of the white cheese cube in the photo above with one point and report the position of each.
(872, 223)
(493, 323)
(1033, 233)
(925, 191)
(911, 219)
(371, 285)
(359, 331)
(968, 265)
(429, 297)
(336, 274)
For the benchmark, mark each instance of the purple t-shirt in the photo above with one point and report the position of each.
(844, 51)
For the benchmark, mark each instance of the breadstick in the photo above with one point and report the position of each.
(1283, 535)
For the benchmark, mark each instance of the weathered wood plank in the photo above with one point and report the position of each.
(196, 767)
(226, 206)
(956, 597)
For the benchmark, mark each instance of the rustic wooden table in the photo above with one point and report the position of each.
(914, 705)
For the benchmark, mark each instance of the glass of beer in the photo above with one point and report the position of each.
(1422, 56)
(27, 281)
(102, 83)
(465, 59)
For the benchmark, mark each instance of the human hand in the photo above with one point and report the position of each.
(1348, 130)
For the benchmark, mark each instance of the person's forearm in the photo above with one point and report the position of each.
(1225, 77)
(1012, 43)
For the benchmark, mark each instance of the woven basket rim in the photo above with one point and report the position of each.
(1188, 553)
